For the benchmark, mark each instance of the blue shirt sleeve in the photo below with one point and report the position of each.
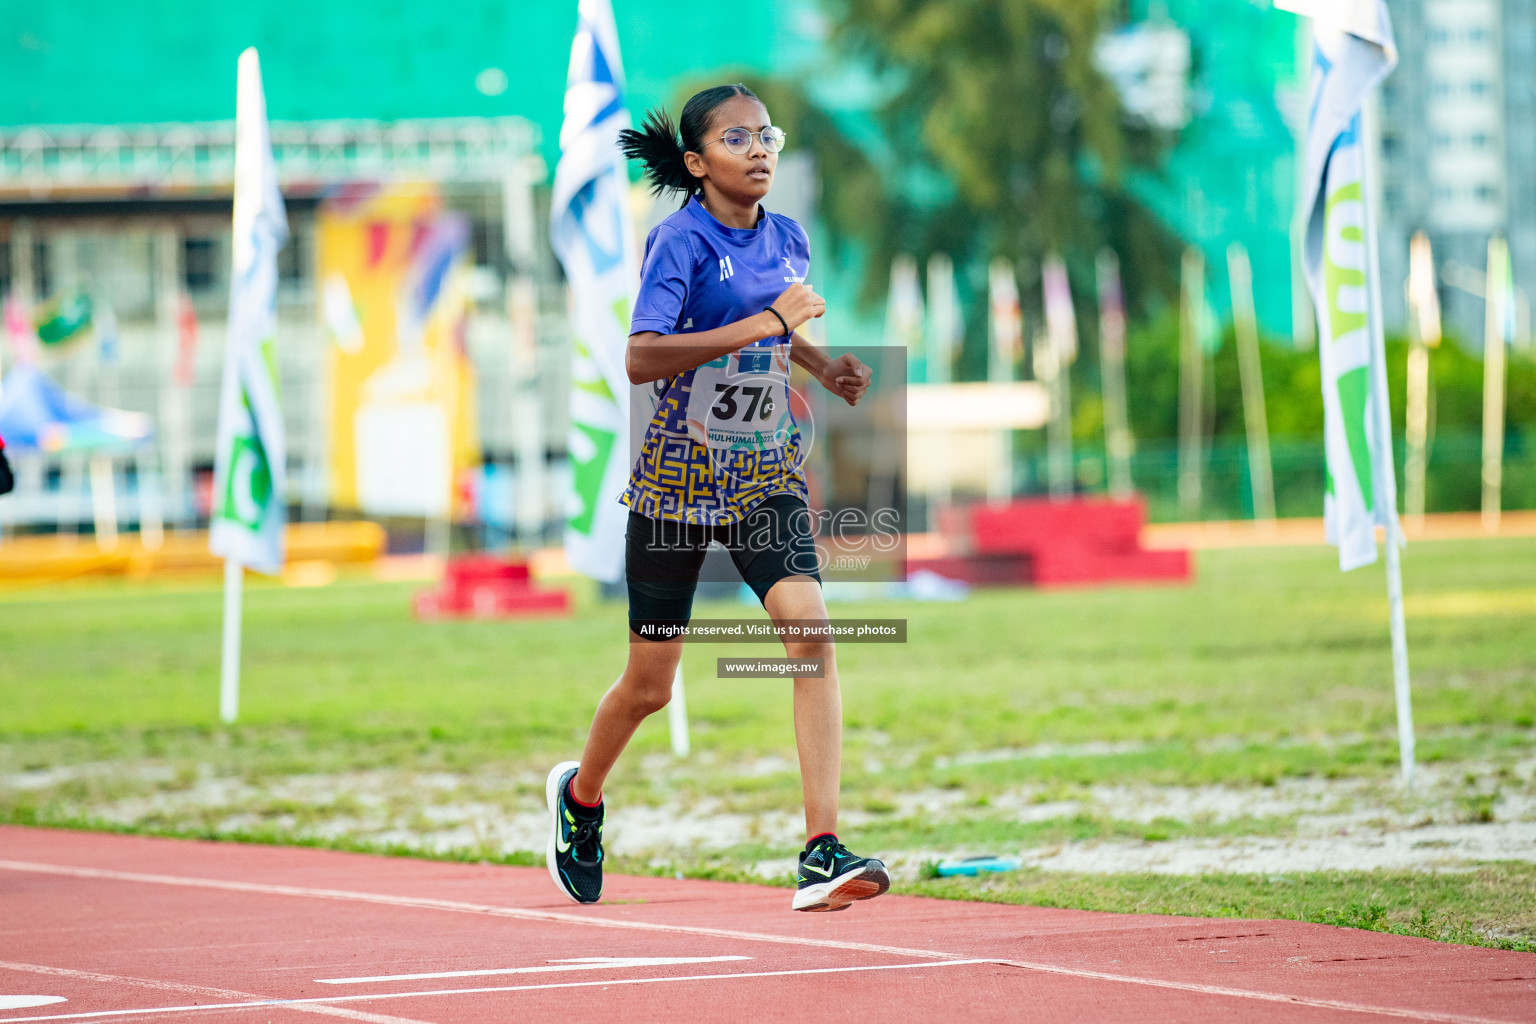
(664, 277)
(803, 244)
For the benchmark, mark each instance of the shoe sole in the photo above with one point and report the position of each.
(862, 884)
(552, 801)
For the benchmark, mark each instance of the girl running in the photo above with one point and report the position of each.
(722, 290)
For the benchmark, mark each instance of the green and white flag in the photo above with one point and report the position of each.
(904, 316)
(250, 510)
(1353, 51)
(946, 329)
(593, 233)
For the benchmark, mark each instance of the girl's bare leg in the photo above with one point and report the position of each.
(818, 704)
(643, 689)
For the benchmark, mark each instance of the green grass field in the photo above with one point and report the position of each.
(1123, 724)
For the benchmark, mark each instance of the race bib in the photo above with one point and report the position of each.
(740, 401)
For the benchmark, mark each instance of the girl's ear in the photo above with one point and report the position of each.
(695, 163)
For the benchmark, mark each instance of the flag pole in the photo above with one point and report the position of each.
(1049, 369)
(229, 674)
(1005, 338)
(1493, 383)
(1191, 360)
(1251, 377)
(1386, 479)
(677, 715)
(1061, 339)
(1400, 661)
(1117, 428)
(938, 367)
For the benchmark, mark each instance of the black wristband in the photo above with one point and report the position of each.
(782, 321)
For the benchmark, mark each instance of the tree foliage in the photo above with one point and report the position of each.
(1001, 138)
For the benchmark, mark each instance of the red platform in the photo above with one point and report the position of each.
(486, 587)
(1053, 543)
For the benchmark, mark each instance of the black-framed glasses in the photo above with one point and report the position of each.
(738, 141)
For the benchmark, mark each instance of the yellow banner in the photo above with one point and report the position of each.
(392, 268)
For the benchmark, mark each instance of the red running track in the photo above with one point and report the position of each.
(123, 928)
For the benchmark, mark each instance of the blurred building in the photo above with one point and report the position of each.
(137, 217)
(1458, 150)
(116, 171)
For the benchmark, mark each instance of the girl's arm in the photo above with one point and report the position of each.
(845, 376)
(651, 355)
(808, 354)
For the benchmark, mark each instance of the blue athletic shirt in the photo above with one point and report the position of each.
(698, 275)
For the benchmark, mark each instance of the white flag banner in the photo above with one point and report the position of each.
(1353, 51)
(1060, 318)
(946, 330)
(904, 315)
(1005, 322)
(250, 509)
(1423, 299)
(593, 233)
(1366, 19)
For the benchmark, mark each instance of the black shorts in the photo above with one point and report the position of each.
(662, 559)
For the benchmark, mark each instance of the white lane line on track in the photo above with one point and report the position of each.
(1271, 997)
(299, 1003)
(583, 963)
(792, 940)
(190, 990)
(424, 903)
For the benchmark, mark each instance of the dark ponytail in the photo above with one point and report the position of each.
(656, 145)
(660, 145)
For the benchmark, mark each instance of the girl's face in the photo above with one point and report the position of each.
(744, 178)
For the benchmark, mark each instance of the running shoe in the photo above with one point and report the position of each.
(831, 878)
(575, 851)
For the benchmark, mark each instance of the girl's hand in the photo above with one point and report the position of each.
(847, 378)
(797, 304)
